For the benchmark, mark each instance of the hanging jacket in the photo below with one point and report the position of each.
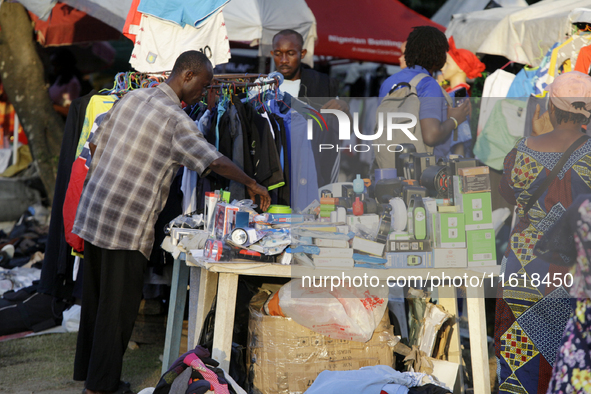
(303, 177)
(97, 106)
(56, 274)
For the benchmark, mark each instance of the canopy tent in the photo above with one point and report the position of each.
(67, 26)
(257, 21)
(525, 36)
(471, 29)
(111, 12)
(444, 15)
(369, 30)
(522, 35)
(346, 28)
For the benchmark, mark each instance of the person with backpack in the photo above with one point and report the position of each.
(426, 53)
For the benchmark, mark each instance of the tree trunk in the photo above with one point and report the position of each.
(21, 72)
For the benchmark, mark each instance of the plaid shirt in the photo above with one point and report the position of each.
(141, 143)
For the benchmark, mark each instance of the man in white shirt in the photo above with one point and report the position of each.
(312, 87)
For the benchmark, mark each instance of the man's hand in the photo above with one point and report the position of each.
(257, 190)
(541, 124)
(337, 104)
(226, 168)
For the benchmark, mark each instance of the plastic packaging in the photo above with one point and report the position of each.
(183, 221)
(345, 312)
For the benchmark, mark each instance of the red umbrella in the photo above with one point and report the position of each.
(369, 30)
(67, 26)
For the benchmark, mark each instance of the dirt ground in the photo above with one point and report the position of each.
(44, 364)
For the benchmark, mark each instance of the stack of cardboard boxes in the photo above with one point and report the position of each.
(460, 230)
(473, 199)
(285, 357)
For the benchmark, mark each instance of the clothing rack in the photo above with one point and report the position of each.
(242, 80)
(130, 80)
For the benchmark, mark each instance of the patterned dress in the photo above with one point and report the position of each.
(532, 312)
(572, 369)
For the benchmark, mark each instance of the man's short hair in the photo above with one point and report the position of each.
(290, 32)
(427, 47)
(190, 60)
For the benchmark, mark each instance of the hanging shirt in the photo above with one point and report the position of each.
(291, 87)
(193, 13)
(583, 63)
(304, 180)
(159, 43)
(95, 112)
(523, 84)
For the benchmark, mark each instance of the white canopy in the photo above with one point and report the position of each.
(452, 7)
(257, 21)
(522, 35)
(471, 29)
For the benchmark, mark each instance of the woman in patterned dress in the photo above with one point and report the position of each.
(532, 308)
(570, 242)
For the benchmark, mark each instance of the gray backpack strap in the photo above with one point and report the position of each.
(447, 97)
(416, 79)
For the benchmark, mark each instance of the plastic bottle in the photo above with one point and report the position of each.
(358, 185)
(357, 207)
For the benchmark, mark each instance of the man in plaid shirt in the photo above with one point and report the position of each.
(136, 151)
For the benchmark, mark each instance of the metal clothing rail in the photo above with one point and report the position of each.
(239, 80)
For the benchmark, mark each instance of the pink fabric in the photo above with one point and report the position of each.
(196, 363)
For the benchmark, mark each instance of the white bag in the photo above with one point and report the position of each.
(71, 319)
(349, 313)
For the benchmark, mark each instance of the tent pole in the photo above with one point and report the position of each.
(262, 64)
(15, 141)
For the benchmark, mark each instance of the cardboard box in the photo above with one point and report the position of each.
(450, 258)
(481, 248)
(224, 219)
(410, 260)
(335, 252)
(399, 236)
(285, 357)
(450, 231)
(331, 243)
(475, 179)
(369, 247)
(409, 246)
(339, 262)
(430, 210)
(477, 208)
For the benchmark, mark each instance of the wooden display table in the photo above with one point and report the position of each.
(209, 280)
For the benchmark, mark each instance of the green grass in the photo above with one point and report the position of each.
(45, 363)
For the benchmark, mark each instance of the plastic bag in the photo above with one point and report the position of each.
(346, 312)
(71, 318)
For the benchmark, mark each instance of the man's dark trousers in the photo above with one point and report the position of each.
(111, 297)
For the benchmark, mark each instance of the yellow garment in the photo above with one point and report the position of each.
(24, 158)
(97, 105)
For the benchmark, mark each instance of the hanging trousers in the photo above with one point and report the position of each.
(111, 296)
